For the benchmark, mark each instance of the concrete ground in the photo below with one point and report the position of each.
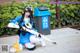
(68, 41)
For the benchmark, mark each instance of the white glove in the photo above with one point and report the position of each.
(28, 25)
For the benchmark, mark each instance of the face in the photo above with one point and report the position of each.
(26, 18)
(27, 14)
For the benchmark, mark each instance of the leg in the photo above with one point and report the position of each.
(35, 39)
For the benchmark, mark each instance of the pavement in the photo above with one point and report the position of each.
(67, 39)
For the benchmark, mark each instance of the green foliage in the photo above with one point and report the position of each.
(8, 12)
(70, 15)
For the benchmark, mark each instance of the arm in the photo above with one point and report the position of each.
(16, 20)
(14, 23)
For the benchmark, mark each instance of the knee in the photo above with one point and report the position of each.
(33, 39)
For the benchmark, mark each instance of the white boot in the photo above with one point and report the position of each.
(42, 42)
(35, 39)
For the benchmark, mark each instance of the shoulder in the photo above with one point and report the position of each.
(18, 17)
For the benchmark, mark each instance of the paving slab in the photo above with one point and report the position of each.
(67, 39)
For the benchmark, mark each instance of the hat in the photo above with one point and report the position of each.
(29, 8)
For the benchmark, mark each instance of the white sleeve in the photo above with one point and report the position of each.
(13, 25)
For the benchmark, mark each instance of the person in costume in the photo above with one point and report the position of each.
(26, 38)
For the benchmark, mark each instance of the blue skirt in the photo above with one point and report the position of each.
(24, 37)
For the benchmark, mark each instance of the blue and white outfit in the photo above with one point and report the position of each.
(24, 36)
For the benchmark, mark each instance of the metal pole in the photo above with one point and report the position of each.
(57, 13)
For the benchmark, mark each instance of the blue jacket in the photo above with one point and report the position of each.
(24, 36)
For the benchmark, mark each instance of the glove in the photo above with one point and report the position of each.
(28, 25)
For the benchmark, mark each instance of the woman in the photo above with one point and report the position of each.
(26, 38)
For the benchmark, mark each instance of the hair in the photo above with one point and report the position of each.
(23, 14)
(30, 16)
